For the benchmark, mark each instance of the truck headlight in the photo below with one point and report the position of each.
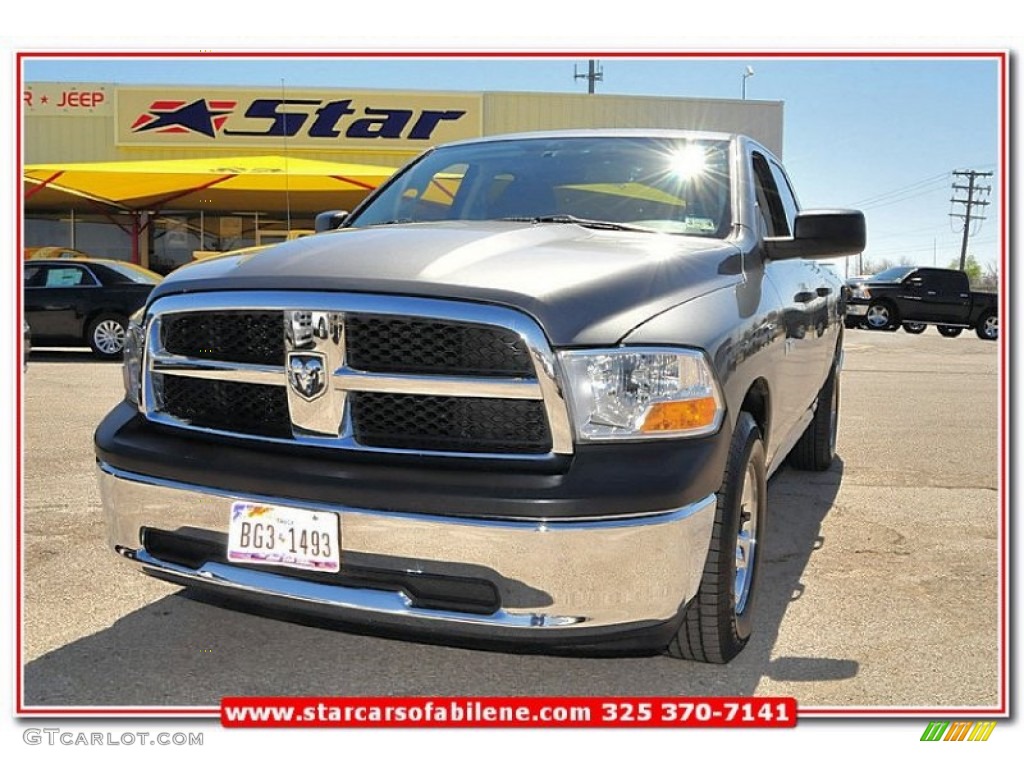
(860, 293)
(134, 349)
(639, 393)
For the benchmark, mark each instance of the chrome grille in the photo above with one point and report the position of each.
(355, 372)
(374, 342)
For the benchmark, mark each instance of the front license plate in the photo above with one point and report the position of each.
(265, 534)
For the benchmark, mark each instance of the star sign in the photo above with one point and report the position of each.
(196, 116)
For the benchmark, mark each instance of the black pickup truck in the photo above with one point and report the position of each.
(530, 392)
(916, 297)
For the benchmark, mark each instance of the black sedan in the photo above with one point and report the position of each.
(71, 302)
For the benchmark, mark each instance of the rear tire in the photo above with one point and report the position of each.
(949, 331)
(914, 328)
(988, 327)
(717, 622)
(816, 447)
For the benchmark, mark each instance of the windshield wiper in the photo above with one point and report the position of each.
(565, 218)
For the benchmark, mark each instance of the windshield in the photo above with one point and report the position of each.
(667, 185)
(892, 275)
(135, 273)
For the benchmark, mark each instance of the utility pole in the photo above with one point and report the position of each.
(594, 74)
(973, 192)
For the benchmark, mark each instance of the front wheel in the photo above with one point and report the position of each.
(880, 316)
(717, 622)
(949, 331)
(988, 327)
(914, 328)
(106, 335)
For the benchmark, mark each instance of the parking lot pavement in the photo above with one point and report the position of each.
(880, 583)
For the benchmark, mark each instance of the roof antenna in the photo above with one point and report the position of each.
(287, 191)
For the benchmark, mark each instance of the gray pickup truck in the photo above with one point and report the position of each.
(528, 394)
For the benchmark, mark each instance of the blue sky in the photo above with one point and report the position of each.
(881, 134)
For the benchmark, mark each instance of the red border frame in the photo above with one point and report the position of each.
(1002, 56)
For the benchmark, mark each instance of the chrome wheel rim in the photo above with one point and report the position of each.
(878, 316)
(109, 337)
(746, 538)
(991, 327)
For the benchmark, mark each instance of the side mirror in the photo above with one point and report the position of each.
(820, 234)
(915, 280)
(329, 220)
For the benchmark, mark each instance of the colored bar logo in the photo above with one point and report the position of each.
(961, 730)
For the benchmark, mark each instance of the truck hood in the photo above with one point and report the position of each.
(584, 286)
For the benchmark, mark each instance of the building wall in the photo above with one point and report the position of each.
(513, 112)
(79, 121)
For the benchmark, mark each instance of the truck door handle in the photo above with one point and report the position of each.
(931, 293)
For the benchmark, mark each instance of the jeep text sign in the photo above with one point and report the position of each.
(324, 120)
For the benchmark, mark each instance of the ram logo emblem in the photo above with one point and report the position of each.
(307, 374)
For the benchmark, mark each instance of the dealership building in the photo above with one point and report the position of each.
(155, 174)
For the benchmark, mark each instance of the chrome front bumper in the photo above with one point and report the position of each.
(601, 574)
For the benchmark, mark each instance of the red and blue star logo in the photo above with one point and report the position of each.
(200, 116)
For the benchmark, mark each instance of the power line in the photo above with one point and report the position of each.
(934, 189)
(904, 232)
(900, 190)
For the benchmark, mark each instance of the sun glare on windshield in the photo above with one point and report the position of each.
(689, 162)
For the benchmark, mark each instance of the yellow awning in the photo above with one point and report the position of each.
(256, 183)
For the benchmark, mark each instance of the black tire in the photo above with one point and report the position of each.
(881, 316)
(949, 331)
(914, 328)
(988, 327)
(816, 448)
(716, 626)
(105, 335)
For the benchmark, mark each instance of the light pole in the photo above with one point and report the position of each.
(749, 73)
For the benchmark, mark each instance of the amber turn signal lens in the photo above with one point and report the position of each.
(680, 415)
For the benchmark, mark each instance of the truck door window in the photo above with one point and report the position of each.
(953, 283)
(768, 200)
